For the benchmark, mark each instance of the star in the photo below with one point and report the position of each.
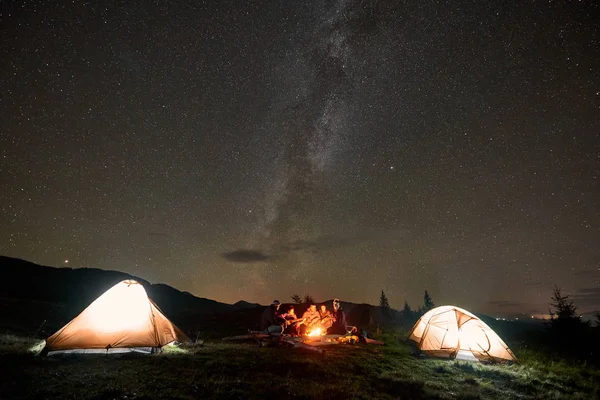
(333, 152)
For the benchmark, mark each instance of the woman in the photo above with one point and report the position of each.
(339, 319)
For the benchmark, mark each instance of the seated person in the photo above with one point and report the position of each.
(311, 319)
(293, 322)
(290, 314)
(326, 317)
(271, 321)
(339, 320)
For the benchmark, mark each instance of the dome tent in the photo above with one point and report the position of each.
(452, 332)
(121, 319)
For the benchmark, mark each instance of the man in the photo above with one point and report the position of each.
(271, 322)
(339, 319)
(289, 314)
(326, 319)
(292, 320)
(311, 319)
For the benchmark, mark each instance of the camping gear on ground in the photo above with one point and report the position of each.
(122, 319)
(452, 332)
(308, 342)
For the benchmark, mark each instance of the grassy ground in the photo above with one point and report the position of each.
(244, 371)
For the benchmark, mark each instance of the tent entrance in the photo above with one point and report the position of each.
(466, 355)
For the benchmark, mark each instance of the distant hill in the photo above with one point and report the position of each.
(590, 316)
(38, 300)
(59, 294)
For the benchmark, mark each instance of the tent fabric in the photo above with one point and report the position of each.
(448, 331)
(117, 350)
(123, 317)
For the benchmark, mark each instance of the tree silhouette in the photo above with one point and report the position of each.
(565, 326)
(383, 301)
(308, 299)
(385, 305)
(297, 299)
(564, 309)
(428, 303)
(406, 308)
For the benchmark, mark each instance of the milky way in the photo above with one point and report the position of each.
(310, 127)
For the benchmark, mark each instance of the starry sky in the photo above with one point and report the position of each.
(253, 150)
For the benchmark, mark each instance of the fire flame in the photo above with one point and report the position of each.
(315, 332)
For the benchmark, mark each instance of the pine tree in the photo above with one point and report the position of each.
(597, 319)
(568, 333)
(308, 299)
(407, 311)
(383, 301)
(564, 309)
(297, 299)
(428, 303)
(564, 323)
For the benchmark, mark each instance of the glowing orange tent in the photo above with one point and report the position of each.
(122, 318)
(452, 332)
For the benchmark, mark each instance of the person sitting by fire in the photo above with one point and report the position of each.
(339, 319)
(271, 321)
(326, 319)
(311, 319)
(293, 322)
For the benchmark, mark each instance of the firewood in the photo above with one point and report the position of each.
(302, 345)
(373, 341)
(246, 337)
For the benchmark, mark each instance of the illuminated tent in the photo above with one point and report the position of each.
(122, 319)
(452, 332)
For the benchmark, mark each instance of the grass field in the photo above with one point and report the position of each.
(218, 370)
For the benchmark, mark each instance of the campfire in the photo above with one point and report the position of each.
(315, 332)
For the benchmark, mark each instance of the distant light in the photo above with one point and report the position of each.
(66, 261)
(391, 167)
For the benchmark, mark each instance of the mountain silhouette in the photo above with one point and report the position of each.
(36, 298)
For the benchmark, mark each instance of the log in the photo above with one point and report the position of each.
(373, 341)
(247, 337)
(302, 345)
(317, 344)
(331, 336)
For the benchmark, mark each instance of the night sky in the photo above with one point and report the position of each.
(256, 149)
